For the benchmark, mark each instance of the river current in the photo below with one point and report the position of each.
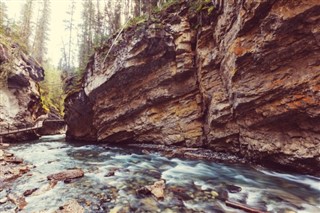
(191, 185)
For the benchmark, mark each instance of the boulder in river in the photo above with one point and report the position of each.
(67, 174)
(157, 189)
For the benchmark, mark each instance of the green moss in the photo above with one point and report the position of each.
(165, 6)
(136, 21)
(200, 5)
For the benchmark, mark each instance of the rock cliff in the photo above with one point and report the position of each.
(235, 76)
(20, 102)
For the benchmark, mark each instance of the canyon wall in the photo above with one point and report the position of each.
(234, 76)
(20, 102)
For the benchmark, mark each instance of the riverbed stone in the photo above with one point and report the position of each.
(67, 174)
(29, 192)
(233, 188)
(157, 189)
(3, 200)
(71, 206)
(19, 201)
(15, 160)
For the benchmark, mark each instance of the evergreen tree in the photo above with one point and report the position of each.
(26, 25)
(69, 26)
(3, 14)
(87, 33)
(41, 34)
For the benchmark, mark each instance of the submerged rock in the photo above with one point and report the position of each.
(233, 188)
(19, 201)
(72, 206)
(29, 192)
(68, 174)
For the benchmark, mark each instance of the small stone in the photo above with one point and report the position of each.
(214, 194)
(3, 200)
(15, 160)
(223, 195)
(1, 153)
(29, 192)
(88, 203)
(19, 201)
(67, 181)
(8, 154)
(233, 188)
(289, 211)
(72, 206)
(157, 189)
(143, 191)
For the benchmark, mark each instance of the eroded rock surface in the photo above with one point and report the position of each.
(20, 102)
(67, 174)
(242, 78)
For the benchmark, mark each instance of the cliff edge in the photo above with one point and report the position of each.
(239, 77)
(20, 101)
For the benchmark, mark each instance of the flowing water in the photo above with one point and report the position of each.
(191, 185)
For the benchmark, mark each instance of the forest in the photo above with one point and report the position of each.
(100, 20)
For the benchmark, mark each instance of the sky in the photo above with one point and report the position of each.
(57, 31)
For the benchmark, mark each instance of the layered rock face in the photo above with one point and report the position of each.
(20, 103)
(242, 78)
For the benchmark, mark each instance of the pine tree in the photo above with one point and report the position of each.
(69, 25)
(87, 33)
(41, 34)
(26, 25)
(3, 14)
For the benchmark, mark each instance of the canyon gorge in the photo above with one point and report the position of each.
(238, 77)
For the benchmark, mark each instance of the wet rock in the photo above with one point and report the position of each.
(149, 204)
(19, 201)
(157, 189)
(72, 206)
(223, 195)
(43, 189)
(111, 172)
(68, 174)
(15, 160)
(4, 145)
(143, 191)
(180, 193)
(7, 154)
(120, 209)
(3, 200)
(29, 192)
(233, 188)
(214, 194)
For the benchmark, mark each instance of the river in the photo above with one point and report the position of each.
(191, 185)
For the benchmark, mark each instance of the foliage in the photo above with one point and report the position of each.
(164, 6)
(26, 25)
(51, 89)
(200, 5)
(136, 21)
(39, 49)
